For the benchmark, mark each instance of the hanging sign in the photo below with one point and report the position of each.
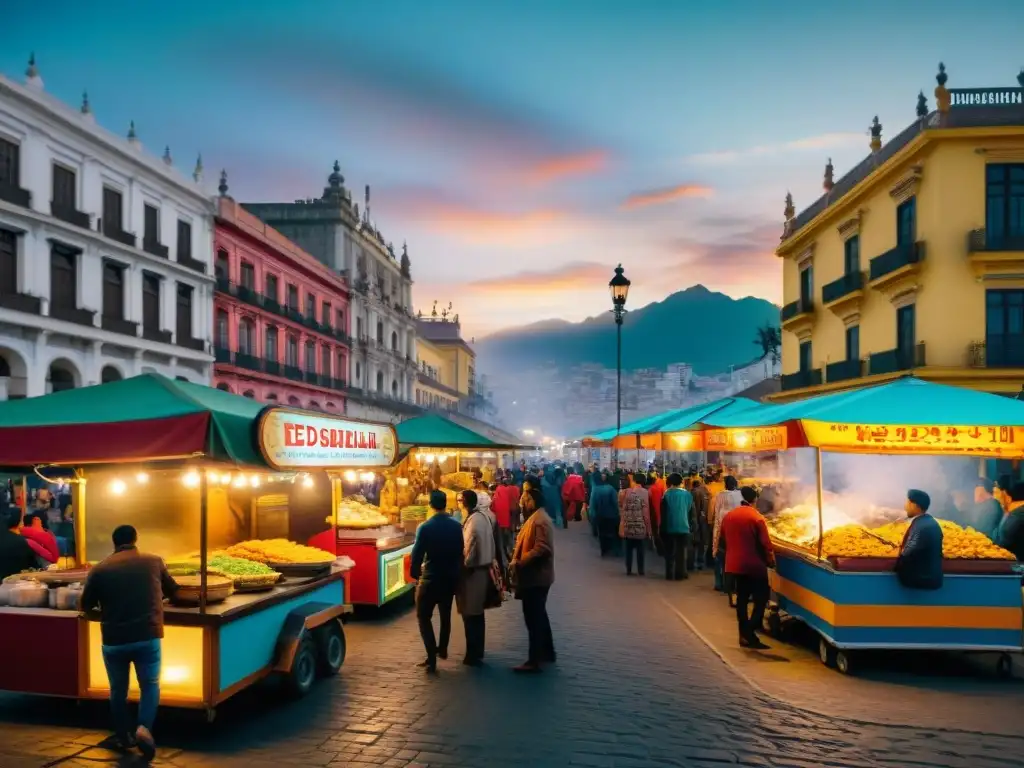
(746, 440)
(897, 438)
(291, 440)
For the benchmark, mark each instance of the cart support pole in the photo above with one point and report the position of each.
(821, 516)
(203, 543)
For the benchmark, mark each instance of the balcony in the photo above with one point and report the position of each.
(272, 367)
(70, 214)
(247, 293)
(802, 379)
(272, 305)
(844, 297)
(156, 334)
(119, 325)
(293, 372)
(189, 263)
(897, 271)
(198, 345)
(118, 235)
(339, 384)
(311, 377)
(154, 248)
(222, 284)
(222, 355)
(798, 318)
(294, 315)
(12, 193)
(21, 302)
(73, 315)
(844, 370)
(995, 255)
(896, 360)
(248, 361)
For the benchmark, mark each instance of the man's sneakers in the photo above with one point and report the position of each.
(753, 643)
(430, 665)
(144, 741)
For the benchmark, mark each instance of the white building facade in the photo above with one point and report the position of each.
(105, 252)
(382, 368)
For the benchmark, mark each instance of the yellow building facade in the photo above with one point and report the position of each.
(446, 376)
(914, 260)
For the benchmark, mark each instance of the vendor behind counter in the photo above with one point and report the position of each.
(919, 564)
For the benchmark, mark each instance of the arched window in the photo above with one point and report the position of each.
(359, 374)
(246, 336)
(380, 381)
(271, 398)
(250, 394)
(394, 388)
(331, 406)
(394, 341)
(109, 374)
(223, 338)
(380, 332)
(223, 387)
(314, 405)
(270, 344)
(293, 400)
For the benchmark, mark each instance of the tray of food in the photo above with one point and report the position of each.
(285, 557)
(218, 589)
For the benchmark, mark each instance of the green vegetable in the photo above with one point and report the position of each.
(237, 566)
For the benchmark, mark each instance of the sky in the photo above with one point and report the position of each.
(523, 149)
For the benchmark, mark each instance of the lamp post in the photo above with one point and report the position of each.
(619, 286)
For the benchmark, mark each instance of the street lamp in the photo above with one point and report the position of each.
(619, 286)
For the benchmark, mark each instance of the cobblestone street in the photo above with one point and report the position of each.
(634, 687)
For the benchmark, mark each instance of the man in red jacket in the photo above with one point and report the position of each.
(573, 494)
(748, 555)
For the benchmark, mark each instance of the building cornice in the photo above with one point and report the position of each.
(71, 120)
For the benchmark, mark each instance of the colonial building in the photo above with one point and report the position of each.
(334, 230)
(281, 317)
(914, 260)
(446, 376)
(104, 251)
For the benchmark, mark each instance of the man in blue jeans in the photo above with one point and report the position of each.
(125, 593)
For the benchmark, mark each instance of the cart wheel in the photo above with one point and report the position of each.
(826, 652)
(330, 647)
(302, 675)
(844, 662)
(773, 625)
(1004, 667)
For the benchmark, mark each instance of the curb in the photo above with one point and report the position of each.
(759, 689)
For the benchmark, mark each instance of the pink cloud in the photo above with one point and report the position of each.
(666, 195)
(561, 167)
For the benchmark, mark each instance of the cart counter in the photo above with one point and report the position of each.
(381, 565)
(206, 657)
(858, 609)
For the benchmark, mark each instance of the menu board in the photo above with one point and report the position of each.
(290, 439)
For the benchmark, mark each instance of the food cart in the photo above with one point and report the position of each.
(835, 562)
(219, 486)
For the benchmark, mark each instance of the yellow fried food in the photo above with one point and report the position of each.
(277, 551)
(958, 543)
(854, 541)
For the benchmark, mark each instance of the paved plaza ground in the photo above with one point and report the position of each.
(637, 685)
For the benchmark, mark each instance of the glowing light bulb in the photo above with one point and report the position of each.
(191, 479)
(141, 478)
(239, 481)
(117, 487)
(254, 481)
(350, 476)
(307, 482)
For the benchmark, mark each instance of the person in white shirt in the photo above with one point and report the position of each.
(723, 503)
(479, 553)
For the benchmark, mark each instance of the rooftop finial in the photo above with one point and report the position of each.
(406, 264)
(167, 156)
(789, 211)
(366, 204)
(1020, 77)
(922, 105)
(876, 135)
(336, 179)
(223, 186)
(829, 176)
(86, 109)
(197, 174)
(942, 97)
(32, 73)
(132, 136)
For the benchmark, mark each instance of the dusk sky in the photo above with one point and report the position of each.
(523, 149)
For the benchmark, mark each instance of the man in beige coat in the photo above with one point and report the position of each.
(478, 551)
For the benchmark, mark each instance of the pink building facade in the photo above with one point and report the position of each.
(281, 318)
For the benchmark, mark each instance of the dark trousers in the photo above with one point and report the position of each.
(538, 626)
(675, 548)
(428, 597)
(638, 546)
(119, 660)
(750, 588)
(608, 532)
(475, 634)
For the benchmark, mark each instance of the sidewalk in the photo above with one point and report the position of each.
(926, 690)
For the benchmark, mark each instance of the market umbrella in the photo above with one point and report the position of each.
(145, 417)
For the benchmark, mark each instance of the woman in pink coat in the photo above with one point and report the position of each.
(573, 495)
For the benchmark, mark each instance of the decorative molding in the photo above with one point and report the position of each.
(905, 298)
(852, 319)
(1001, 154)
(851, 226)
(806, 257)
(907, 187)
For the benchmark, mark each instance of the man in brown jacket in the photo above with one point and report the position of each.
(533, 568)
(125, 593)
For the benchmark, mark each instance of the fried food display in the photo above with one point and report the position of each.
(355, 512)
(958, 543)
(281, 551)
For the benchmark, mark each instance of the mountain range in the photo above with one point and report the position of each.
(707, 329)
